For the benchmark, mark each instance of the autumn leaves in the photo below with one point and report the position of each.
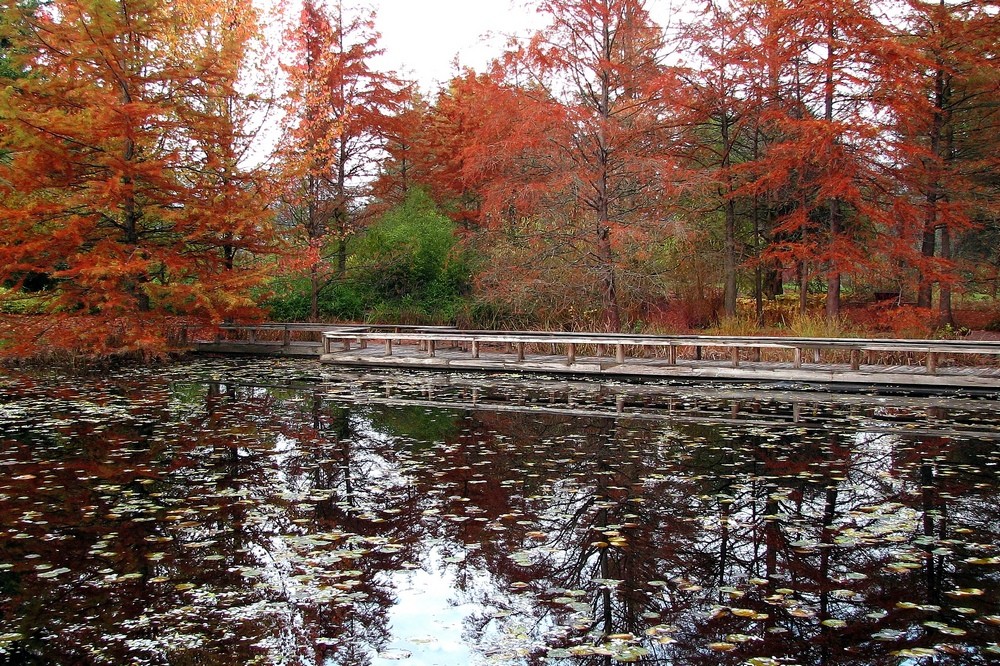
(599, 168)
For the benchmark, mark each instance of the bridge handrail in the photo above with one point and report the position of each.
(932, 349)
(538, 337)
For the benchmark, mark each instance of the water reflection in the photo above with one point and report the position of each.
(263, 513)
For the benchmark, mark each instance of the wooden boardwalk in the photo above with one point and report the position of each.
(926, 364)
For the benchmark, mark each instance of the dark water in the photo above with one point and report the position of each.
(229, 512)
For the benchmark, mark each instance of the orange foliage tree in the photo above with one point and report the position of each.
(719, 107)
(829, 62)
(340, 109)
(406, 161)
(105, 194)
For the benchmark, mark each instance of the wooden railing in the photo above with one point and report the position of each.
(852, 352)
(284, 334)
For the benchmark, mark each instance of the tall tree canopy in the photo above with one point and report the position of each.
(110, 134)
(947, 124)
(591, 69)
(340, 109)
(603, 171)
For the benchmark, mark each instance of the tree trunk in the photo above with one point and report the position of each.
(605, 253)
(833, 277)
(314, 286)
(729, 255)
(925, 289)
(945, 314)
(612, 311)
(730, 259)
(803, 287)
(833, 272)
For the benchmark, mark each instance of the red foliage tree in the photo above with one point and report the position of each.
(719, 107)
(586, 78)
(947, 123)
(829, 62)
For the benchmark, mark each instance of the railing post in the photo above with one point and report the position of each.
(672, 354)
(520, 352)
(620, 354)
(932, 363)
(252, 334)
(475, 349)
(430, 348)
(855, 359)
(326, 344)
(735, 353)
(797, 363)
(388, 347)
(286, 336)
(570, 353)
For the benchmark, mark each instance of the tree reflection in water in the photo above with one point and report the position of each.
(224, 513)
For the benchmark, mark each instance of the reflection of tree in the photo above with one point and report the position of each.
(240, 522)
(228, 525)
(568, 492)
(782, 539)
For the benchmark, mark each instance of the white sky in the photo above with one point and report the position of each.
(422, 38)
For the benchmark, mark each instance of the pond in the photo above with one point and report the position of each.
(280, 512)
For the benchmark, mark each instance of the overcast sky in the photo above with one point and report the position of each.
(423, 37)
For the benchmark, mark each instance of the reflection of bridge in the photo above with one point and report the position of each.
(747, 408)
(925, 364)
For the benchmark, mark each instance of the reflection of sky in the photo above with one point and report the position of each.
(425, 622)
(430, 623)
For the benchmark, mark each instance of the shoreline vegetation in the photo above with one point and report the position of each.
(752, 167)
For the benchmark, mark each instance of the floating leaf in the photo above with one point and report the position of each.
(916, 652)
(888, 635)
(54, 573)
(395, 655)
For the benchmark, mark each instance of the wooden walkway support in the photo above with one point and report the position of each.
(869, 361)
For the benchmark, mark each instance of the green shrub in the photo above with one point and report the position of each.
(411, 266)
(406, 268)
